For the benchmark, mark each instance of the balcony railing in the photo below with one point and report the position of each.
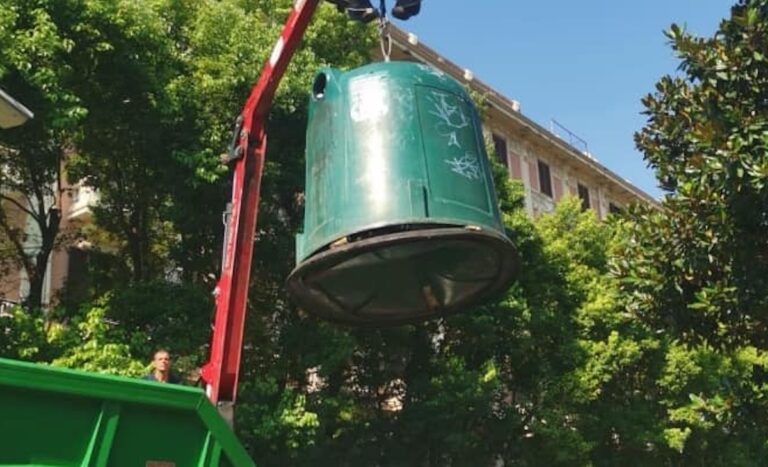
(83, 199)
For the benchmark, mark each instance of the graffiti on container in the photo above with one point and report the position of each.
(453, 124)
(432, 71)
(467, 166)
(450, 116)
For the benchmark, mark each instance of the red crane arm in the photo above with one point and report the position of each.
(220, 373)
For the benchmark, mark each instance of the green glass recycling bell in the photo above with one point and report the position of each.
(401, 221)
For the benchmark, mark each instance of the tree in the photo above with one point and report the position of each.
(695, 272)
(34, 69)
(125, 60)
(705, 139)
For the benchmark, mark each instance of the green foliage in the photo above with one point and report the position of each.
(161, 315)
(125, 59)
(706, 140)
(693, 273)
(92, 344)
(88, 341)
(23, 335)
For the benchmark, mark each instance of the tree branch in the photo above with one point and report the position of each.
(20, 206)
(30, 202)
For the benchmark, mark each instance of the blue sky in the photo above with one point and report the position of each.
(584, 63)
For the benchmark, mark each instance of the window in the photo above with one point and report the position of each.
(500, 148)
(545, 179)
(584, 196)
(613, 208)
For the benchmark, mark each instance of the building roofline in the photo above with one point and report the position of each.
(409, 42)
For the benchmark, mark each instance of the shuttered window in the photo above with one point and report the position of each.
(500, 148)
(545, 179)
(584, 196)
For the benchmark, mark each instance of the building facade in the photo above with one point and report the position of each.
(66, 259)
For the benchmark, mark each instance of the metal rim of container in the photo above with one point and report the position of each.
(331, 257)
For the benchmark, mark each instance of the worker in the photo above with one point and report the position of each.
(161, 368)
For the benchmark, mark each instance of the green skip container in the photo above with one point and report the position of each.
(401, 220)
(59, 417)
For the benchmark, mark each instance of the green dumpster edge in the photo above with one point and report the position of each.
(52, 379)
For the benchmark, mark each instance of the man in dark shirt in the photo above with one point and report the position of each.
(161, 369)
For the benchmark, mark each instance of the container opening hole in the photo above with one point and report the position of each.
(318, 89)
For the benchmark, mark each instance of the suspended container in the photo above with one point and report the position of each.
(401, 221)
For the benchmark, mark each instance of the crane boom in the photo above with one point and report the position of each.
(220, 373)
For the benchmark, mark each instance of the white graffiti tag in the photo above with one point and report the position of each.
(432, 71)
(450, 115)
(467, 166)
(451, 118)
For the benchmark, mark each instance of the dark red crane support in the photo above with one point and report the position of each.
(220, 373)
